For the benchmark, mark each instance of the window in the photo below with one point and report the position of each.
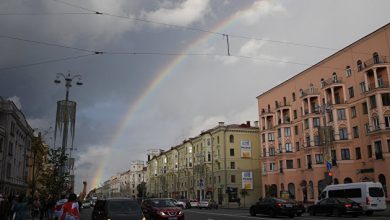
(232, 152)
(372, 101)
(287, 132)
(375, 123)
(365, 108)
(293, 96)
(299, 163)
(317, 140)
(295, 114)
(231, 139)
(233, 178)
(319, 159)
(10, 148)
(351, 92)
(8, 170)
(362, 87)
(348, 71)
(353, 111)
(345, 155)
(388, 145)
(232, 165)
(272, 166)
(355, 131)
(358, 153)
(1, 144)
(271, 137)
(378, 150)
(263, 138)
(367, 128)
(288, 147)
(316, 122)
(297, 146)
(208, 156)
(387, 121)
(307, 141)
(386, 99)
(341, 114)
(289, 164)
(330, 115)
(279, 133)
(308, 160)
(369, 151)
(272, 151)
(343, 134)
(306, 123)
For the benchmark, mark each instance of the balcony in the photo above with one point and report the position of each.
(331, 81)
(282, 105)
(372, 62)
(310, 92)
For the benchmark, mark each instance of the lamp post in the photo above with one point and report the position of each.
(66, 116)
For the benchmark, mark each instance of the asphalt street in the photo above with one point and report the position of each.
(235, 214)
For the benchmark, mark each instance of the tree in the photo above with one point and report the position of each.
(244, 193)
(141, 188)
(55, 178)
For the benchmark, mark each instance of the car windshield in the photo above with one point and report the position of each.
(163, 203)
(375, 192)
(123, 207)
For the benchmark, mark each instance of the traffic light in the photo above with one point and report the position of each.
(330, 173)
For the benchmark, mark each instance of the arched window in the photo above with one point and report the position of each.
(269, 108)
(348, 71)
(291, 190)
(293, 96)
(382, 180)
(284, 101)
(375, 57)
(311, 87)
(231, 138)
(359, 65)
(334, 77)
(347, 180)
(311, 189)
(322, 82)
(273, 191)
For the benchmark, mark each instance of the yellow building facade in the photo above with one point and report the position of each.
(221, 163)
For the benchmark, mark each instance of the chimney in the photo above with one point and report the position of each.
(256, 124)
(248, 123)
(221, 123)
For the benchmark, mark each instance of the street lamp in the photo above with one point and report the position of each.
(66, 116)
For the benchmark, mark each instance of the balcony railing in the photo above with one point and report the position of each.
(311, 91)
(331, 81)
(373, 61)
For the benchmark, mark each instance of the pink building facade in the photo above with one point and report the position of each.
(335, 114)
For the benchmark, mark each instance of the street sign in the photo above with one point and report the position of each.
(329, 165)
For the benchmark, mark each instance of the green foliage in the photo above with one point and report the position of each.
(141, 188)
(55, 179)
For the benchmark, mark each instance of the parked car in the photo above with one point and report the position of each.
(208, 204)
(336, 207)
(161, 209)
(117, 208)
(273, 207)
(179, 203)
(194, 203)
(370, 195)
(300, 207)
(186, 202)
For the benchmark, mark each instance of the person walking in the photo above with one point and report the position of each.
(36, 205)
(20, 208)
(4, 207)
(71, 209)
(50, 207)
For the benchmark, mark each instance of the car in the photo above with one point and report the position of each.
(273, 207)
(336, 207)
(194, 203)
(300, 207)
(161, 209)
(86, 205)
(117, 208)
(179, 203)
(186, 202)
(208, 204)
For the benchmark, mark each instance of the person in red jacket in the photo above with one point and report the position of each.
(71, 209)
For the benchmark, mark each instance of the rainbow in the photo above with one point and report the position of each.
(168, 69)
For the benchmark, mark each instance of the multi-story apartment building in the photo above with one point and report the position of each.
(335, 114)
(221, 163)
(15, 148)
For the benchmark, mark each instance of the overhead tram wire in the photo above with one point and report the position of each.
(46, 62)
(46, 13)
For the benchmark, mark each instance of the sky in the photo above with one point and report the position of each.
(157, 72)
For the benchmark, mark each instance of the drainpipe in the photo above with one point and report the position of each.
(225, 167)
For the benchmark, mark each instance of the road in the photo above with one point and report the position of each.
(236, 214)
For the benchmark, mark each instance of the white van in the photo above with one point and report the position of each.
(369, 194)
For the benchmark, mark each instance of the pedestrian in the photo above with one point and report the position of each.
(71, 210)
(59, 206)
(20, 208)
(36, 205)
(4, 207)
(42, 207)
(50, 207)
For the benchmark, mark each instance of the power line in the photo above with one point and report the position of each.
(46, 13)
(45, 62)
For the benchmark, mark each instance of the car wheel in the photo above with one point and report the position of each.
(336, 212)
(369, 213)
(252, 212)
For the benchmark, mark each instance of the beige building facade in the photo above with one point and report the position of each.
(335, 114)
(221, 163)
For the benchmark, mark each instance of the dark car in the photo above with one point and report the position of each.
(164, 209)
(118, 209)
(273, 207)
(336, 207)
(208, 204)
(300, 207)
